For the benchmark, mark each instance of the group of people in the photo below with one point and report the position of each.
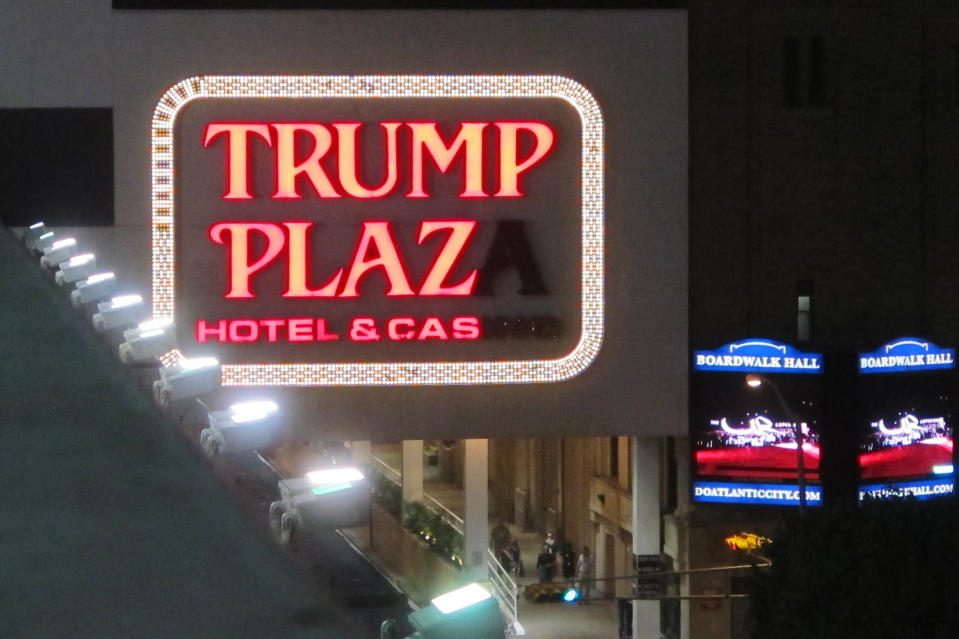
(576, 569)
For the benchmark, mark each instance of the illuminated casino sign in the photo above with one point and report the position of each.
(380, 230)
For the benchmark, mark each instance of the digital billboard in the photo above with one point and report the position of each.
(380, 230)
(907, 412)
(751, 414)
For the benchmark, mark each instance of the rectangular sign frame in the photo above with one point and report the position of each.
(391, 87)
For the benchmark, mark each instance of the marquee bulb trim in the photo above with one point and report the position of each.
(592, 173)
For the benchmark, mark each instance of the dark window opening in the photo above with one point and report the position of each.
(804, 310)
(804, 73)
(56, 166)
(614, 456)
(791, 73)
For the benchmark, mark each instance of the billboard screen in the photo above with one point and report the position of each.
(746, 437)
(907, 421)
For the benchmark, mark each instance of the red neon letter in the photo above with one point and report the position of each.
(271, 326)
(378, 234)
(296, 282)
(346, 137)
(509, 167)
(252, 330)
(363, 329)
(460, 232)
(466, 327)
(240, 267)
(236, 153)
(470, 136)
(321, 334)
(393, 326)
(432, 329)
(203, 331)
(299, 329)
(286, 167)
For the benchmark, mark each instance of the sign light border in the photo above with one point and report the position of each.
(907, 354)
(391, 87)
(758, 355)
(754, 493)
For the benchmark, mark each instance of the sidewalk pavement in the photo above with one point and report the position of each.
(597, 619)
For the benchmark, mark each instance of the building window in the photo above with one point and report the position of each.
(803, 310)
(804, 73)
(956, 75)
(57, 166)
(614, 456)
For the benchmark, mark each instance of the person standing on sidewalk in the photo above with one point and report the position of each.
(545, 564)
(549, 559)
(569, 563)
(585, 565)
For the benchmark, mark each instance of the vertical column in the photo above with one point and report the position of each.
(683, 480)
(362, 454)
(645, 489)
(476, 489)
(412, 470)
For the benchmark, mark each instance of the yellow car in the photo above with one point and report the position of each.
(746, 541)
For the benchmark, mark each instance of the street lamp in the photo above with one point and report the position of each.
(755, 381)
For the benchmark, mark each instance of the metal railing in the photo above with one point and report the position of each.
(505, 591)
(504, 586)
(448, 515)
(388, 471)
(430, 502)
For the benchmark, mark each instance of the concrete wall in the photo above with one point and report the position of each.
(424, 574)
(76, 53)
(856, 196)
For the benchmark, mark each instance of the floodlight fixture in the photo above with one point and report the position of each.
(461, 598)
(188, 377)
(58, 251)
(118, 312)
(78, 267)
(321, 500)
(147, 342)
(334, 476)
(246, 426)
(470, 612)
(41, 242)
(148, 326)
(249, 411)
(196, 363)
(33, 232)
(93, 289)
